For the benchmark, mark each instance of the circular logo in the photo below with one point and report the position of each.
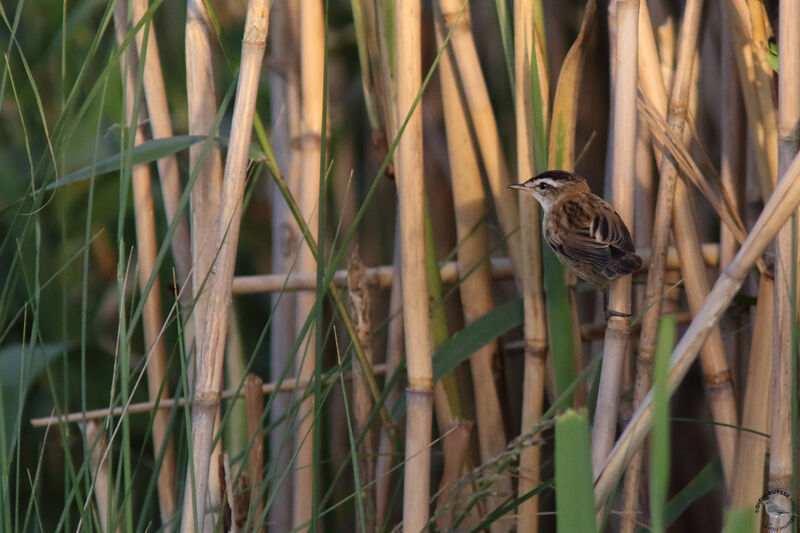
(780, 508)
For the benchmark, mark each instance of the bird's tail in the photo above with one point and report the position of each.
(623, 263)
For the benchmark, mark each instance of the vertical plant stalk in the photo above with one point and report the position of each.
(713, 359)
(312, 64)
(226, 231)
(161, 126)
(783, 345)
(643, 218)
(362, 399)
(475, 290)
(205, 195)
(285, 107)
(619, 301)
(96, 440)
(419, 395)
(254, 400)
(484, 125)
(673, 196)
(751, 449)
(781, 205)
(755, 78)
(394, 357)
(375, 48)
(535, 329)
(146, 252)
(733, 147)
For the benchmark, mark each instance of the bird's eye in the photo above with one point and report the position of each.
(543, 186)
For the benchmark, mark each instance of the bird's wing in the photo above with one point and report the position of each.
(597, 235)
(573, 233)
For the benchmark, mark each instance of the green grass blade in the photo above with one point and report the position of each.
(739, 521)
(574, 489)
(659, 443)
(704, 482)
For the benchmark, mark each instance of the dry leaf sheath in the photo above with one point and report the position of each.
(584, 231)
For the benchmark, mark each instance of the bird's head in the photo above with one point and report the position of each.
(548, 186)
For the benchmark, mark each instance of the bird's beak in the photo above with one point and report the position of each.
(518, 186)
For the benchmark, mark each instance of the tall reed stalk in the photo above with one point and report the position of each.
(624, 163)
(484, 125)
(755, 79)
(361, 308)
(146, 252)
(205, 195)
(312, 57)
(673, 206)
(733, 147)
(751, 449)
(419, 395)
(161, 127)
(226, 235)
(475, 290)
(395, 347)
(784, 346)
(285, 107)
(535, 329)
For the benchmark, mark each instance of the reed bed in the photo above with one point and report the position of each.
(265, 274)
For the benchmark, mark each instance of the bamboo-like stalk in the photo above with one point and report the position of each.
(101, 479)
(619, 302)
(733, 146)
(755, 78)
(643, 218)
(394, 356)
(226, 231)
(783, 368)
(535, 329)
(484, 125)
(161, 126)
(362, 400)
(748, 484)
(147, 249)
(383, 276)
(205, 195)
(169, 403)
(312, 58)
(781, 205)
(419, 397)
(675, 192)
(254, 401)
(285, 106)
(476, 290)
(732, 138)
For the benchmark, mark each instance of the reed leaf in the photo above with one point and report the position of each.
(574, 494)
(660, 443)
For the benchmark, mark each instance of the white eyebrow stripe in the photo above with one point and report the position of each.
(549, 181)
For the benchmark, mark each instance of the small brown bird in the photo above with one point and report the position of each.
(584, 231)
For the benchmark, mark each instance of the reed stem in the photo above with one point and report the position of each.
(147, 250)
(312, 57)
(475, 290)
(784, 333)
(535, 329)
(226, 234)
(624, 172)
(419, 395)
